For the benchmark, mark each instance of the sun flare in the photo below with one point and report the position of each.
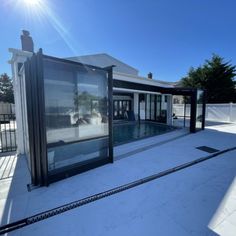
(41, 12)
(32, 2)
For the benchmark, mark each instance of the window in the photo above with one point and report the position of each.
(166, 98)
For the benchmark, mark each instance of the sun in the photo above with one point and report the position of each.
(32, 2)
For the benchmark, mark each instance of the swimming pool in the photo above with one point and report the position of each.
(131, 131)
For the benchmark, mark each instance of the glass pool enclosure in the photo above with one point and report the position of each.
(67, 110)
(69, 126)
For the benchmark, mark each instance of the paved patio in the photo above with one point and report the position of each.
(7, 165)
(199, 200)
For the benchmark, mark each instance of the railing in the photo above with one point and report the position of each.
(7, 132)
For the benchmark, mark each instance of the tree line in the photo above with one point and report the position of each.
(6, 89)
(216, 77)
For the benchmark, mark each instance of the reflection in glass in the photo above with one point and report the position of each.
(120, 108)
(147, 106)
(76, 109)
(158, 108)
(163, 107)
(199, 114)
(152, 107)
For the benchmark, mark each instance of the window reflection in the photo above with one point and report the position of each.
(76, 113)
(75, 103)
(199, 111)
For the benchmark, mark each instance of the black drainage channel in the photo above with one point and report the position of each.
(59, 210)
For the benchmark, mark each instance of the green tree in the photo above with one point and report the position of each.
(6, 89)
(216, 77)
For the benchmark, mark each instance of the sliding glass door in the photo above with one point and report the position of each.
(155, 108)
(120, 107)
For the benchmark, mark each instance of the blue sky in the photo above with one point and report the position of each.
(165, 37)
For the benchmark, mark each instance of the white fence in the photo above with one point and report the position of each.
(178, 110)
(225, 112)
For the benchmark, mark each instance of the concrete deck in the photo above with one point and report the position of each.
(197, 201)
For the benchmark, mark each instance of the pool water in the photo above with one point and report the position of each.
(131, 131)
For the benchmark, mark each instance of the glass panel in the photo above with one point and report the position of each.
(91, 114)
(115, 105)
(148, 106)
(199, 109)
(163, 106)
(120, 109)
(152, 107)
(142, 106)
(125, 106)
(182, 111)
(128, 105)
(76, 109)
(74, 153)
(158, 107)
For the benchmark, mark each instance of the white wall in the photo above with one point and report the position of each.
(18, 56)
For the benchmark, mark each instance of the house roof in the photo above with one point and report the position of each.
(121, 70)
(104, 60)
(173, 84)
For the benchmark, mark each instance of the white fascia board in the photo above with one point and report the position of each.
(133, 91)
(18, 55)
(138, 79)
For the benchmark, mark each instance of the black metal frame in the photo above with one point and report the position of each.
(204, 109)
(36, 120)
(193, 111)
(34, 77)
(110, 110)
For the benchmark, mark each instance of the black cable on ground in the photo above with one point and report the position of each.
(59, 210)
